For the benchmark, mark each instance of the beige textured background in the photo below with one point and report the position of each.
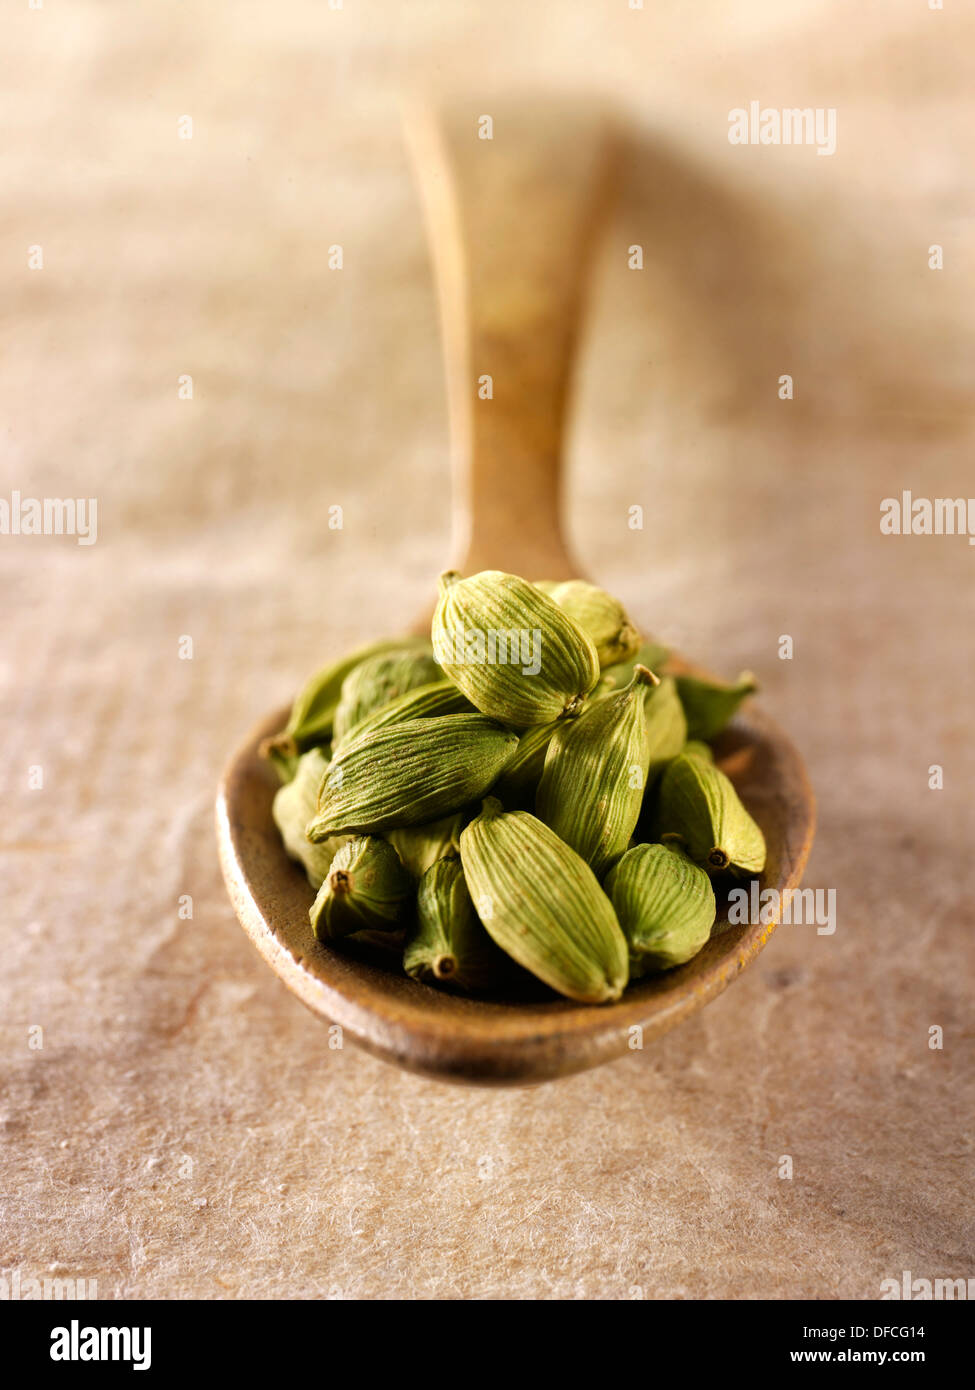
(184, 1131)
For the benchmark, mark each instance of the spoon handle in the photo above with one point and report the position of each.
(511, 222)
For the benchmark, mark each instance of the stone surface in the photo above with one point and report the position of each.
(185, 1130)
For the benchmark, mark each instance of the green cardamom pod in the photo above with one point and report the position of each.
(424, 702)
(711, 705)
(519, 781)
(650, 654)
(449, 945)
(596, 772)
(365, 889)
(606, 685)
(695, 748)
(284, 762)
(666, 726)
(376, 682)
(294, 806)
(699, 807)
(313, 712)
(512, 651)
(542, 904)
(666, 730)
(421, 846)
(665, 904)
(392, 942)
(600, 615)
(410, 773)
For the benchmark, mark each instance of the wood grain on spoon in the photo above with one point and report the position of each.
(512, 222)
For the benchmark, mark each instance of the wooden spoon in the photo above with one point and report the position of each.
(511, 222)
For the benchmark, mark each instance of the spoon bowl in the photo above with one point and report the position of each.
(530, 1037)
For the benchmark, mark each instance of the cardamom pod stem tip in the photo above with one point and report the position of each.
(642, 675)
(280, 743)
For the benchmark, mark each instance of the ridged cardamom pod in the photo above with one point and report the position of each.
(600, 615)
(665, 904)
(420, 846)
(650, 654)
(449, 945)
(425, 702)
(375, 682)
(711, 705)
(511, 650)
(294, 806)
(666, 726)
(313, 712)
(410, 773)
(666, 730)
(698, 805)
(518, 783)
(595, 774)
(543, 905)
(365, 889)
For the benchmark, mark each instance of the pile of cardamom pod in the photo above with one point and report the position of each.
(521, 792)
